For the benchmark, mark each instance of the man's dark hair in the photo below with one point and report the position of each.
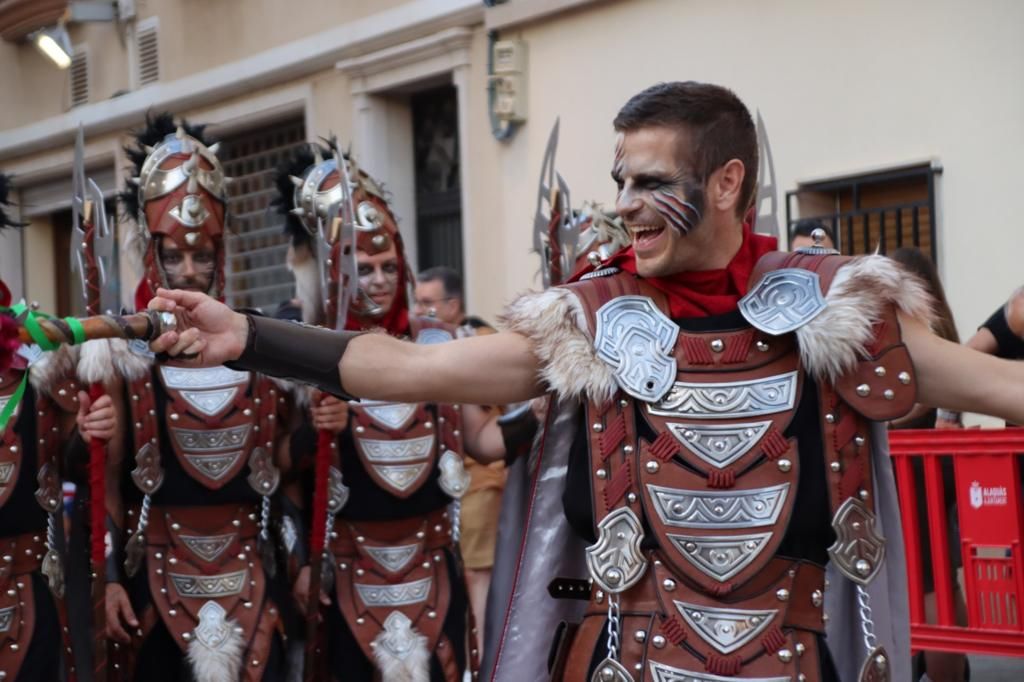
(720, 125)
(451, 280)
(805, 227)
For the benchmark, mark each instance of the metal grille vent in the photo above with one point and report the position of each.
(147, 49)
(257, 275)
(79, 78)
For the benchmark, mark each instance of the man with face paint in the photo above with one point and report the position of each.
(717, 446)
(191, 591)
(398, 607)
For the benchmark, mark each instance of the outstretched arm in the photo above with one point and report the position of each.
(483, 370)
(958, 378)
(494, 369)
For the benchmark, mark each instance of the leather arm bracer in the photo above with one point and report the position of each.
(290, 350)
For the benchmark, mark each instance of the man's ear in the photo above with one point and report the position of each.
(725, 186)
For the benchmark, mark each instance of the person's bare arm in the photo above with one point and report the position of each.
(983, 341)
(481, 434)
(483, 370)
(958, 378)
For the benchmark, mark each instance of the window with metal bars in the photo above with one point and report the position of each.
(438, 178)
(876, 211)
(256, 247)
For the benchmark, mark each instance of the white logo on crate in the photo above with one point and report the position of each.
(987, 497)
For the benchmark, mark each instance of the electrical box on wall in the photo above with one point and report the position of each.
(125, 9)
(509, 80)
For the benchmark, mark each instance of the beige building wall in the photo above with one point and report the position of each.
(843, 88)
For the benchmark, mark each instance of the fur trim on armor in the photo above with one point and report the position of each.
(414, 666)
(556, 324)
(303, 265)
(105, 360)
(831, 343)
(53, 368)
(136, 243)
(222, 663)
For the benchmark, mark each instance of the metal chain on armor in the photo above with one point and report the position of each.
(143, 515)
(867, 624)
(455, 512)
(613, 626)
(51, 532)
(265, 519)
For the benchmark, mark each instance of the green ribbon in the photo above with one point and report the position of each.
(39, 337)
(12, 404)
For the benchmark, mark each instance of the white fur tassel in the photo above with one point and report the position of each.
(832, 342)
(53, 367)
(103, 360)
(414, 666)
(222, 664)
(556, 324)
(302, 263)
(135, 245)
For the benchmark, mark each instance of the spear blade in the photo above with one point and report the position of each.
(766, 222)
(542, 218)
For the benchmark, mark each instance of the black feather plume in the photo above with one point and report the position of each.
(5, 201)
(297, 165)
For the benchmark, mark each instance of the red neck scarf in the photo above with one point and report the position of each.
(704, 293)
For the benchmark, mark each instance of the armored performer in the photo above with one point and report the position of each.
(712, 494)
(191, 589)
(39, 401)
(399, 609)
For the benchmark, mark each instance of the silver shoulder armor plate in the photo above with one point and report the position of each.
(783, 301)
(637, 341)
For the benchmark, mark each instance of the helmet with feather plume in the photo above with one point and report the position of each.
(177, 190)
(309, 188)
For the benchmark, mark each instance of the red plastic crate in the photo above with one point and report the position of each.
(988, 493)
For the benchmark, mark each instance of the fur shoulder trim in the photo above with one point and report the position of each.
(53, 368)
(832, 343)
(556, 324)
(102, 361)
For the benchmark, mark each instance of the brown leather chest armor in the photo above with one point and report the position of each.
(711, 493)
(218, 420)
(400, 445)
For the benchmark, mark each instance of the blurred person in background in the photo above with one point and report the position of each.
(1002, 334)
(802, 234)
(439, 294)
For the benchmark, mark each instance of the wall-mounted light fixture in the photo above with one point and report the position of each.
(55, 43)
